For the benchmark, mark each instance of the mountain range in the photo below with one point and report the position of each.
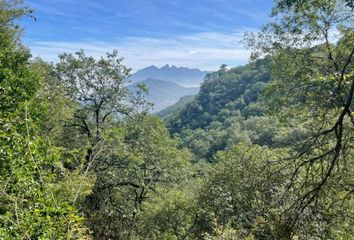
(183, 76)
(164, 93)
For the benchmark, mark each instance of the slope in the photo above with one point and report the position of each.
(225, 112)
(164, 93)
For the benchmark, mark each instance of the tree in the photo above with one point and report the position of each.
(313, 85)
(98, 88)
(140, 160)
(58, 106)
(11, 10)
(171, 215)
(30, 207)
(241, 192)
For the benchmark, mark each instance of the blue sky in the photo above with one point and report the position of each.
(193, 33)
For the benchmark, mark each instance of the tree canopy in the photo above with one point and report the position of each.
(264, 151)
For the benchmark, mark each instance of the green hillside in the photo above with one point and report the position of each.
(222, 94)
(176, 108)
(226, 112)
(261, 151)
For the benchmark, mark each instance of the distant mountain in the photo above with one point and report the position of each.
(164, 93)
(183, 76)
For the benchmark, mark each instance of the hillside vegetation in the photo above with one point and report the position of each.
(263, 151)
(228, 111)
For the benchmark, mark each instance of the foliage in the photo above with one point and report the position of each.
(271, 141)
(247, 195)
(231, 89)
(139, 161)
(171, 215)
(313, 85)
(29, 205)
(244, 194)
(98, 87)
(227, 111)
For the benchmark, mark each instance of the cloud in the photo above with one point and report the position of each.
(205, 50)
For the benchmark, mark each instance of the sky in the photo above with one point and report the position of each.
(191, 33)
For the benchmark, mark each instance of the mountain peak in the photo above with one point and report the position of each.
(152, 67)
(181, 75)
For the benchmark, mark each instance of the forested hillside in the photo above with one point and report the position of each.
(227, 111)
(264, 151)
(234, 89)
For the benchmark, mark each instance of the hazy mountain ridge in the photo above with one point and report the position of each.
(183, 76)
(164, 93)
(176, 108)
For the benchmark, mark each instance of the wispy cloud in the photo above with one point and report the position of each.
(206, 50)
(193, 33)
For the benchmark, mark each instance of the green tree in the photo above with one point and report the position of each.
(30, 207)
(98, 88)
(11, 10)
(140, 160)
(243, 193)
(313, 85)
(59, 108)
(171, 215)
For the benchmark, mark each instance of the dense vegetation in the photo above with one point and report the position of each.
(264, 151)
(226, 112)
